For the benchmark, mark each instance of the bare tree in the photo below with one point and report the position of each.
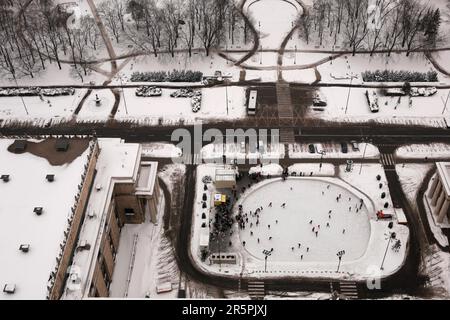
(110, 17)
(356, 26)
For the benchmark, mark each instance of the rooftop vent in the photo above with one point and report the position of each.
(19, 146)
(91, 214)
(9, 288)
(24, 248)
(38, 210)
(5, 178)
(84, 245)
(62, 145)
(50, 177)
(98, 187)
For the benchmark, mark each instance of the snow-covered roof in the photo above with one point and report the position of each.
(225, 175)
(27, 189)
(147, 177)
(444, 174)
(118, 162)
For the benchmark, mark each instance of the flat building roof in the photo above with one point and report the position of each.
(22, 227)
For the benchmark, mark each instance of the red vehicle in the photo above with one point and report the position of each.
(382, 216)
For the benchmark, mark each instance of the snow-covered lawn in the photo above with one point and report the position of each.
(93, 112)
(411, 177)
(437, 151)
(333, 151)
(217, 103)
(348, 64)
(358, 105)
(160, 150)
(307, 169)
(49, 107)
(273, 19)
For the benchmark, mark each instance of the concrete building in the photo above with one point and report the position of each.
(438, 195)
(126, 192)
(42, 206)
(63, 209)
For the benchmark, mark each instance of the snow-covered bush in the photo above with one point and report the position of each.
(399, 76)
(163, 76)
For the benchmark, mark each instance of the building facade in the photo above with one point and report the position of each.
(439, 195)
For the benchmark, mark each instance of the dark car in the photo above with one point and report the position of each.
(311, 148)
(344, 147)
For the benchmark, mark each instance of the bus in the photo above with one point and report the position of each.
(251, 107)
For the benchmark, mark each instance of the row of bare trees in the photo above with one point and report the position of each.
(34, 34)
(372, 24)
(32, 39)
(169, 25)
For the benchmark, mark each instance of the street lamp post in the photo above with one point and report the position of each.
(123, 94)
(295, 57)
(446, 101)
(21, 97)
(340, 254)
(364, 155)
(392, 236)
(267, 254)
(349, 91)
(323, 153)
(260, 61)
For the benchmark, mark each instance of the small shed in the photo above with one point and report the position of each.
(19, 146)
(219, 199)
(225, 178)
(62, 145)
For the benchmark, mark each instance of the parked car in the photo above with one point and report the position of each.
(344, 147)
(355, 146)
(312, 148)
(319, 148)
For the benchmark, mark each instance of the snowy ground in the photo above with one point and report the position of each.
(50, 107)
(93, 112)
(438, 151)
(217, 103)
(272, 27)
(233, 151)
(364, 239)
(153, 264)
(358, 105)
(160, 150)
(333, 151)
(411, 178)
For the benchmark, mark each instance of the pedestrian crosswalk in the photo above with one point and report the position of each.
(349, 289)
(287, 135)
(387, 160)
(256, 290)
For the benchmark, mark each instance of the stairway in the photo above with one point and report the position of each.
(256, 290)
(285, 113)
(349, 289)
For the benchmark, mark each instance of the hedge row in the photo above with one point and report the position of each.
(171, 76)
(399, 76)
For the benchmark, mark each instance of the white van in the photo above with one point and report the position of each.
(251, 107)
